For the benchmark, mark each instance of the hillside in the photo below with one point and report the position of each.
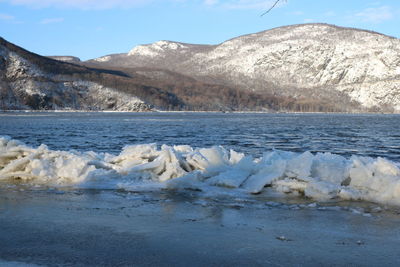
(349, 68)
(31, 81)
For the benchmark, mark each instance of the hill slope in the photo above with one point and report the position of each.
(315, 62)
(31, 81)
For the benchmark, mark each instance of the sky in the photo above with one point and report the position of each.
(94, 28)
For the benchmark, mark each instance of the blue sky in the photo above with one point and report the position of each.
(93, 28)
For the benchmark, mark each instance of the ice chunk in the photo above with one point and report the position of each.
(375, 179)
(255, 183)
(289, 185)
(211, 160)
(330, 168)
(322, 190)
(299, 166)
(193, 180)
(235, 175)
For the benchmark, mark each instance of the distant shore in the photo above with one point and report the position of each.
(190, 111)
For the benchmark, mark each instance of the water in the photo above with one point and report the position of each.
(78, 226)
(375, 135)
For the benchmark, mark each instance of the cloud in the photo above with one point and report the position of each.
(6, 17)
(375, 14)
(308, 20)
(51, 20)
(9, 19)
(79, 4)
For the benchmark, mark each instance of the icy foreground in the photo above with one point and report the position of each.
(322, 176)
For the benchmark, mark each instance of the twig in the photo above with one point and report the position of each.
(276, 2)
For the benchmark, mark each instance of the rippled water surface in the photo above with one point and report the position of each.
(369, 135)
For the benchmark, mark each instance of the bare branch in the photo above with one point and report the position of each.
(276, 2)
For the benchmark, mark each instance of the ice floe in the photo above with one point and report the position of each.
(320, 176)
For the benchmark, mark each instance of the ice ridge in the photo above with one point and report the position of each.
(320, 176)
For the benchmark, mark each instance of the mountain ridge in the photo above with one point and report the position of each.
(31, 81)
(295, 60)
(303, 67)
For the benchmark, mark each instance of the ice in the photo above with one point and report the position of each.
(234, 175)
(321, 176)
(266, 176)
(299, 166)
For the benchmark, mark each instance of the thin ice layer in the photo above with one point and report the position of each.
(320, 176)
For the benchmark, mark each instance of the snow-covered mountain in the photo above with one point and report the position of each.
(309, 61)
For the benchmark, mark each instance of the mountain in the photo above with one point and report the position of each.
(312, 64)
(31, 81)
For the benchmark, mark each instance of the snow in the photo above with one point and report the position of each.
(103, 59)
(155, 49)
(321, 176)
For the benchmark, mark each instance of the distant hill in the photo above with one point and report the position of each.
(31, 81)
(307, 68)
(312, 64)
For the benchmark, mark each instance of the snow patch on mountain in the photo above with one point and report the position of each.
(19, 68)
(103, 59)
(69, 59)
(157, 48)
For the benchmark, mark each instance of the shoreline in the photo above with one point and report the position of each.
(109, 228)
(182, 111)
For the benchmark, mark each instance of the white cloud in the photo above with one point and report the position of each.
(9, 19)
(308, 20)
(51, 20)
(375, 15)
(6, 17)
(80, 4)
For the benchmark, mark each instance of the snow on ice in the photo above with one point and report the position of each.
(321, 176)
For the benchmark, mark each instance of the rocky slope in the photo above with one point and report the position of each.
(348, 67)
(29, 81)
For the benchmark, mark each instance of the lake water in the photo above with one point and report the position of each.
(343, 134)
